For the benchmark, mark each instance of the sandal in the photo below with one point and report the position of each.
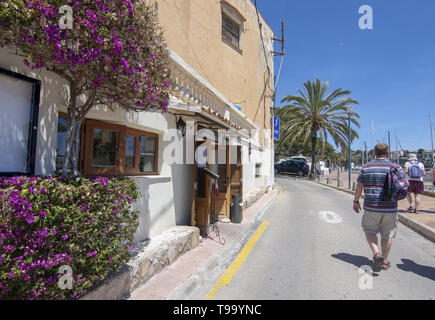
(378, 259)
(386, 265)
(411, 209)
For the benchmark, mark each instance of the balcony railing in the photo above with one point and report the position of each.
(192, 89)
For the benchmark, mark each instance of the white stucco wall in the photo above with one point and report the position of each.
(165, 199)
(250, 181)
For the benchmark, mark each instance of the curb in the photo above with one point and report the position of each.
(420, 228)
(429, 194)
(211, 270)
(148, 258)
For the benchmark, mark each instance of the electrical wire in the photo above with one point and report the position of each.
(264, 47)
(267, 83)
(279, 72)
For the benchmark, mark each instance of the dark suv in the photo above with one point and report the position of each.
(299, 168)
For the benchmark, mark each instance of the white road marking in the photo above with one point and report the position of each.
(330, 217)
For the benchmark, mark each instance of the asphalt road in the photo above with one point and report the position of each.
(307, 253)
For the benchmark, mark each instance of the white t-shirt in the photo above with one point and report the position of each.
(408, 164)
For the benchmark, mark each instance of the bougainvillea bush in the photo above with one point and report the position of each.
(114, 54)
(87, 224)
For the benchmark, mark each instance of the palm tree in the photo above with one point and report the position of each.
(331, 156)
(312, 112)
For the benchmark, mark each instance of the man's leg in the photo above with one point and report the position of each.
(388, 232)
(371, 222)
(372, 239)
(386, 247)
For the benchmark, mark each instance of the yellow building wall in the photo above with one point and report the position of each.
(193, 30)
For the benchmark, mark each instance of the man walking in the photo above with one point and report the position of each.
(379, 216)
(415, 173)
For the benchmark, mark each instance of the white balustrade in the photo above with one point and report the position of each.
(186, 86)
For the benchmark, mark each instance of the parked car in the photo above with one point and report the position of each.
(299, 168)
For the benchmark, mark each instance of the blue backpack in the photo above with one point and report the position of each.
(395, 185)
(415, 171)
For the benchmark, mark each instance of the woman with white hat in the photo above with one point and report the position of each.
(415, 173)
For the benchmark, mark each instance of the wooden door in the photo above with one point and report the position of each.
(201, 196)
(223, 198)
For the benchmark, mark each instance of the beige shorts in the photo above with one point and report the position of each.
(384, 223)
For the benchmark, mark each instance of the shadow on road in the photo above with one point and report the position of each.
(357, 261)
(421, 270)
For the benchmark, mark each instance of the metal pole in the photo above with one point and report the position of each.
(373, 135)
(349, 147)
(282, 37)
(366, 154)
(431, 138)
(389, 145)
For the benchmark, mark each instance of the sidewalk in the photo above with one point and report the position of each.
(191, 272)
(423, 222)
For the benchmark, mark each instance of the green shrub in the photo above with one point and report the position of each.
(45, 223)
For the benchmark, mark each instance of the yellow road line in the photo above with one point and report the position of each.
(281, 192)
(237, 263)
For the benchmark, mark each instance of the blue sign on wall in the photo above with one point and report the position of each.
(276, 127)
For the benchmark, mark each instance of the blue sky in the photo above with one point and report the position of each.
(390, 69)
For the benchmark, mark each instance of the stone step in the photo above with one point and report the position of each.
(148, 258)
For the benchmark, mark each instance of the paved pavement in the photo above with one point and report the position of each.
(314, 248)
(173, 279)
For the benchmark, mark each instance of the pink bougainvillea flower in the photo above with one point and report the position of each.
(92, 253)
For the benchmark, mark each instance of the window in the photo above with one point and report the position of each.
(290, 163)
(19, 107)
(130, 152)
(105, 144)
(147, 153)
(117, 150)
(230, 30)
(257, 170)
(232, 24)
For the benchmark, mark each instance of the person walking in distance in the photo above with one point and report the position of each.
(379, 216)
(433, 175)
(415, 173)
